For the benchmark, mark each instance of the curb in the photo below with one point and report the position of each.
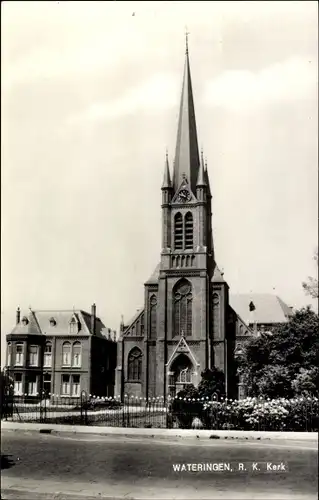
(164, 433)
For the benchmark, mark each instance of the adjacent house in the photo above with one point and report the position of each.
(61, 353)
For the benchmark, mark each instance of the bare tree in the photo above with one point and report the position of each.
(311, 285)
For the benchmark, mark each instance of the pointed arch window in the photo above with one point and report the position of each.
(178, 231)
(189, 231)
(153, 304)
(183, 302)
(134, 368)
(216, 314)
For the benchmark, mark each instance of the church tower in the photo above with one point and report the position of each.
(182, 347)
(182, 329)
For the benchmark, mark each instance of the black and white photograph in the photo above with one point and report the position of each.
(159, 250)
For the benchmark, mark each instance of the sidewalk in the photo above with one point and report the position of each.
(161, 433)
(52, 490)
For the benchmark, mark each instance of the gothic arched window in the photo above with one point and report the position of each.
(189, 231)
(178, 231)
(153, 304)
(134, 364)
(183, 298)
(216, 314)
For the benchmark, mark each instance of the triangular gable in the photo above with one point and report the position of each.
(184, 193)
(182, 348)
(133, 320)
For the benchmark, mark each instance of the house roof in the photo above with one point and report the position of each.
(39, 323)
(269, 308)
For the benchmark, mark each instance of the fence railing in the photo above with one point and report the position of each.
(299, 414)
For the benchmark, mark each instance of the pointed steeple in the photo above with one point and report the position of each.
(186, 154)
(167, 183)
(207, 178)
(201, 179)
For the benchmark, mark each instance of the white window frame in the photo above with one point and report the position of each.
(9, 354)
(19, 357)
(18, 392)
(34, 362)
(67, 384)
(79, 355)
(77, 385)
(47, 356)
(68, 363)
(33, 387)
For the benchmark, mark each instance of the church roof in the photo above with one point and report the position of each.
(153, 279)
(269, 308)
(39, 322)
(218, 276)
(186, 153)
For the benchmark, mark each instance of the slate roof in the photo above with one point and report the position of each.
(39, 323)
(218, 276)
(269, 308)
(155, 276)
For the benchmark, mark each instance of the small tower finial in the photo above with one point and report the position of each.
(186, 39)
(202, 155)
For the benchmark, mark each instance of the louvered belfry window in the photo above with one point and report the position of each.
(178, 231)
(183, 301)
(189, 231)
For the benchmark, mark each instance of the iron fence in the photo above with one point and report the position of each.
(299, 414)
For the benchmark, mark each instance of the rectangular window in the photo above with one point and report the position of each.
(65, 385)
(76, 386)
(47, 383)
(33, 355)
(18, 384)
(19, 355)
(32, 385)
(9, 354)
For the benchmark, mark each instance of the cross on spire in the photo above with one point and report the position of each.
(186, 39)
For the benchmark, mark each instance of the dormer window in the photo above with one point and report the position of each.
(74, 325)
(25, 321)
(52, 322)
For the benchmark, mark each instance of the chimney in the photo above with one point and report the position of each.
(18, 316)
(93, 318)
(122, 324)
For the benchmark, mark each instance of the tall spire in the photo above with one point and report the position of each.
(201, 179)
(167, 183)
(186, 154)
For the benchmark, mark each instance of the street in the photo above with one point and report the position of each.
(95, 466)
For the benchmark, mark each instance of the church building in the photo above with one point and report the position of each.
(187, 323)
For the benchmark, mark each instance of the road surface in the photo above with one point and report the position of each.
(39, 466)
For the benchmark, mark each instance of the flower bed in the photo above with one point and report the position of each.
(299, 414)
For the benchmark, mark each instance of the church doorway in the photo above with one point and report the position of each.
(180, 375)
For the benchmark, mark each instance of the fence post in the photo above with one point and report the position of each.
(83, 407)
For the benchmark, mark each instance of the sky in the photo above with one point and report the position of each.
(90, 97)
